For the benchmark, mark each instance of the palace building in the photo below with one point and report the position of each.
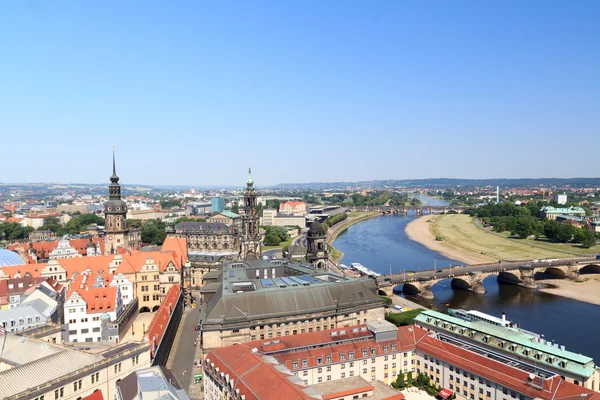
(261, 299)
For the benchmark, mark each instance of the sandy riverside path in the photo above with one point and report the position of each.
(587, 291)
(419, 231)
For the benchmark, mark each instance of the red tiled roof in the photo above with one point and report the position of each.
(33, 269)
(349, 392)
(177, 245)
(159, 323)
(97, 395)
(252, 376)
(98, 300)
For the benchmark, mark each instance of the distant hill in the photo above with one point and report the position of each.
(446, 182)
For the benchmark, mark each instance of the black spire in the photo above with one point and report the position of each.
(114, 178)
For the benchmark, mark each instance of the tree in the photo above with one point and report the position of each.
(409, 380)
(415, 201)
(169, 203)
(153, 232)
(523, 228)
(399, 383)
(585, 237)
(134, 223)
(235, 208)
(87, 219)
(271, 239)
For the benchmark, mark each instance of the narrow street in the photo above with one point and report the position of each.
(183, 351)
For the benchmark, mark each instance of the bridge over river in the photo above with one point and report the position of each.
(405, 209)
(470, 277)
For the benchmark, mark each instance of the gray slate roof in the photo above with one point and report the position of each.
(275, 303)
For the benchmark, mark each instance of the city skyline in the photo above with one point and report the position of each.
(190, 95)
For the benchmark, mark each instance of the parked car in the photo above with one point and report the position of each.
(387, 279)
(439, 270)
(597, 256)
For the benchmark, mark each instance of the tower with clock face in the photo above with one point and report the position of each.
(115, 216)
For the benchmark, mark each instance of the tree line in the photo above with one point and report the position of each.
(524, 221)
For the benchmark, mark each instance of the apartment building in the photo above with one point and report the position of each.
(377, 352)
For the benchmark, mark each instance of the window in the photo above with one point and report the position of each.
(372, 369)
(320, 379)
(96, 330)
(77, 385)
(59, 393)
(305, 363)
(385, 349)
(319, 360)
(329, 369)
(320, 370)
(342, 356)
(343, 366)
(328, 358)
(364, 370)
(351, 354)
(373, 351)
(328, 377)
(364, 353)
(343, 374)
(118, 368)
(488, 393)
(295, 364)
(305, 373)
(96, 377)
(86, 330)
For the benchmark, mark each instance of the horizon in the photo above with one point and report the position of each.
(309, 92)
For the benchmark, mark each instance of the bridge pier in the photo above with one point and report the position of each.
(472, 284)
(419, 211)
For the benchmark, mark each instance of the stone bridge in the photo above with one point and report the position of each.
(470, 277)
(420, 210)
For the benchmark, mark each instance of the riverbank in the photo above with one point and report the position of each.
(335, 230)
(463, 240)
(421, 231)
(586, 289)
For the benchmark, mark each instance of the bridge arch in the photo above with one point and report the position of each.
(410, 289)
(556, 272)
(509, 277)
(590, 269)
(459, 283)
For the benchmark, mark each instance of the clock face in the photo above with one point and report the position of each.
(110, 238)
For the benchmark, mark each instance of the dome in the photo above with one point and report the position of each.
(316, 229)
(8, 257)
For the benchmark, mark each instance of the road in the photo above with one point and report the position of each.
(183, 352)
(461, 270)
(277, 252)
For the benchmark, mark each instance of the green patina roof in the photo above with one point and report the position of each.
(230, 214)
(570, 210)
(576, 363)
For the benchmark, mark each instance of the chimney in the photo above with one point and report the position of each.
(503, 318)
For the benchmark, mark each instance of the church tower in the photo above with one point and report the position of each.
(316, 252)
(251, 247)
(115, 215)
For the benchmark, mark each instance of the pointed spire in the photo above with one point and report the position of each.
(114, 178)
(249, 181)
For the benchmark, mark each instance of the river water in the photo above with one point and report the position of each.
(380, 242)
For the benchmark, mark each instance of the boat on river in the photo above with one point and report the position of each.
(363, 270)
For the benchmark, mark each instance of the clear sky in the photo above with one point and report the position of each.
(192, 92)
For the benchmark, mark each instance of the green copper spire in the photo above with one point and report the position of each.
(249, 181)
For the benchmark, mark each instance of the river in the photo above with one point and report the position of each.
(380, 242)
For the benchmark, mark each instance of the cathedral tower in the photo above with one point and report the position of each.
(115, 215)
(251, 247)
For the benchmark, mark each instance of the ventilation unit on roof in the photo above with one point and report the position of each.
(355, 330)
(254, 350)
(275, 341)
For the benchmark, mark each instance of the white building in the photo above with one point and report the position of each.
(560, 198)
(63, 250)
(88, 306)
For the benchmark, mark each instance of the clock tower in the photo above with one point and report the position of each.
(115, 215)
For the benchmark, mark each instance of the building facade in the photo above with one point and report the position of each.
(293, 207)
(217, 204)
(378, 352)
(259, 299)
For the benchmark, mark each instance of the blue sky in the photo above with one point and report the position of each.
(193, 92)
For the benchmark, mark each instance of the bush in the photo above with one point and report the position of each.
(387, 300)
(403, 318)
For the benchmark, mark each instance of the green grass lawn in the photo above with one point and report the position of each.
(462, 234)
(281, 245)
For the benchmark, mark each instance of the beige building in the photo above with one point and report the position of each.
(273, 218)
(270, 299)
(293, 207)
(227, 218)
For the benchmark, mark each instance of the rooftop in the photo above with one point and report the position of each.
(355, 386)
(577, 363)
